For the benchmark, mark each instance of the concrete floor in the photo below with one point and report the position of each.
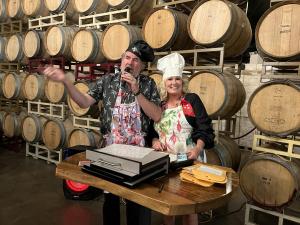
(30, 194)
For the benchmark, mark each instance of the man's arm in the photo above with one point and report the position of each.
(82, 99)
(151, 110)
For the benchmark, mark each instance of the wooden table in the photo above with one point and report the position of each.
(176, 198)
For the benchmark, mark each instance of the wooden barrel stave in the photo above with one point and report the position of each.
(221, 93)
(3, 43)
(58, 40)
(217, 22)
(14, 10)
(86, 46)
(33, 45)
(14, 49)
(276, 36)
(273, 108)
(34, 87)
(12, 85)
(58, 6)
(55, 133)
(80, 136)
(88, 6)
(3, 12)
(165, 28)
(274, 181)
(32, 128)
(116, 39)
(33, 8)
(12, 123)
(92, 111)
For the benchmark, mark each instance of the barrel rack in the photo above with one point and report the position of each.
(281, 216)
(46, 21)
(280, 70)
(102, 19)
(90, 71)
(11, 27)
(47, 109)
(86, 122)
(38, 151)
(291, 142)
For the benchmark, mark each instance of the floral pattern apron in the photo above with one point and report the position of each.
(175, 132)
(126, 127)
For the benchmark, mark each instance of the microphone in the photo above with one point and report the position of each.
(127, 69)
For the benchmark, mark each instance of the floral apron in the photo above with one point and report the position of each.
(175, 132)
(126, 127)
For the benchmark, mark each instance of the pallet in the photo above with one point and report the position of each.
(90, 71)
(288, 70)
(160, 3)
(101, 19)
(281, 216)
(7, 67)
(47, 21)
(86, 122)
(34, 64)
(11, 103)
(11, 27)
(47, 109)
(38, 151)
(201, 59)
(259, 140)
(226, 126)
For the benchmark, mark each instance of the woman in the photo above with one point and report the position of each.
(184, 126)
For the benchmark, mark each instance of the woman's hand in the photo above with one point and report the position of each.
(157, 145)
(194, 153)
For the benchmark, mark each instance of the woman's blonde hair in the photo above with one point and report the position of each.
(163, 92)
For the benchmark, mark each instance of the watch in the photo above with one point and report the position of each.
(137, 93)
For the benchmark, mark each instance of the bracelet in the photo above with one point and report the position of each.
(137, 93)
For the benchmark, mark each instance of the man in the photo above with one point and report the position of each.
(130, 103)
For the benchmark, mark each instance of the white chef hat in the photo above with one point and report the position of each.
(171, 65)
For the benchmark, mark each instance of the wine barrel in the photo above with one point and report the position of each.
(222, 94)
(2, 113)
(3, 11)
(157, 77)
(138, 8)
(58, 6)
(273, 108)
(88, 6)
(55, 133)
(12, 123)
(56, 91)
(58, 41)
(80, 136)
(3, 43)
(12, 85)
(212, 23)
(14, 49)
(1, 81)
(116, 39)
(165, 28)
(277, 32)
(33, 45)
(34, 8)
(225, 153)
(86, 46)
(14, 10)
(32, 127)
(93, 110)
(270, 181)
(34, 87)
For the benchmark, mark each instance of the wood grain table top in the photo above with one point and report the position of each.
(176, 197)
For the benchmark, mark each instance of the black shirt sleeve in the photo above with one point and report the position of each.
(201, 123)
